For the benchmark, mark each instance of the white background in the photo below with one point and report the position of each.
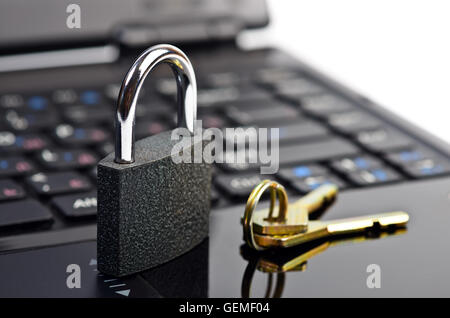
(396, 52)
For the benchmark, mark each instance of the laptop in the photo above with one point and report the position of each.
(59, 82)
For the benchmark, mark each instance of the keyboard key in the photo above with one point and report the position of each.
(82, 114)
(373, 176)
(238, 186)
(243, 156)
(23, 212)
(12, 101)
(10, 190)
(37, 103)
(261, 115)
(223, 79)
(408, 156)
(58, 182)
(64, 96)
(68, 135)
(319, 150)
(30, 121)
(350, 122)
(300, 172)
(77, 205)
(66, 159)
(90, 97)
(213, 121)
(350, 164)
(300, 130)
(15, 166)
(150, 127)
(272, 76)
(217, 96)
(322, 105)
(298, 86)
(383, 140)
(10, 142)
(428, 167)
(311, 183)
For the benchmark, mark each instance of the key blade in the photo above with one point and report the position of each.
(383, 220)
(318, 198)
(322, 229)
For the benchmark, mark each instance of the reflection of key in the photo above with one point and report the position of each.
(291, 226)
(322, 229)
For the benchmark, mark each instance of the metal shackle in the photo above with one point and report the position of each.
(131, 86)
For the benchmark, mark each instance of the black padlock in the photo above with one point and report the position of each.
(151, 209)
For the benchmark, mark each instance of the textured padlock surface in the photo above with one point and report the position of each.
(152, 210)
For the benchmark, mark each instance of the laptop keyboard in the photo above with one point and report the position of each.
(51, 141)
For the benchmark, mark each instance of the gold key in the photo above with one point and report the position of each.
(291, 226)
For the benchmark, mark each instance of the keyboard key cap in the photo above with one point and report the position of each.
(15, 166)
(9, 101)
(300, 172)
(261, 115)
(64, 96)
(10, 142)
(213, 121)
(150, 127)
(67, 159)
(322, 105)
(272, 76)
(300, 130)
(409, 156)
(68, 135)
(238, 186)
(10, 190)
(37, 103)
(30, 121)
(311, 183)
(82, 114)
(350, 164)
(58, 182)
(243, 156)
(298, 86)
(23, 212)
(217, 80)
(319, 150)
(90, 97)
(351, 122)
(77, 205)
(373, 176)
(428, 167)
(217, 96)
(420, 162)
(383, 140)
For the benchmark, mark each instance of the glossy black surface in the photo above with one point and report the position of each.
(413, 263)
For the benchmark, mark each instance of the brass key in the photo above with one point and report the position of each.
(291, 227)
(321, 229)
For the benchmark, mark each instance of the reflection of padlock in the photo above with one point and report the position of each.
(151, 209)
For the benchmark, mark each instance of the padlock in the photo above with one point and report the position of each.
(150, 208)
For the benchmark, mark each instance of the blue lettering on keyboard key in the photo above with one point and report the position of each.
(90, 97)
(302, 171)
(37, 103)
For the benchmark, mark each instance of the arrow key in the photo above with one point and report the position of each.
(77, 205)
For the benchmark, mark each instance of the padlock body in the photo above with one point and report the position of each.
(152, 210)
